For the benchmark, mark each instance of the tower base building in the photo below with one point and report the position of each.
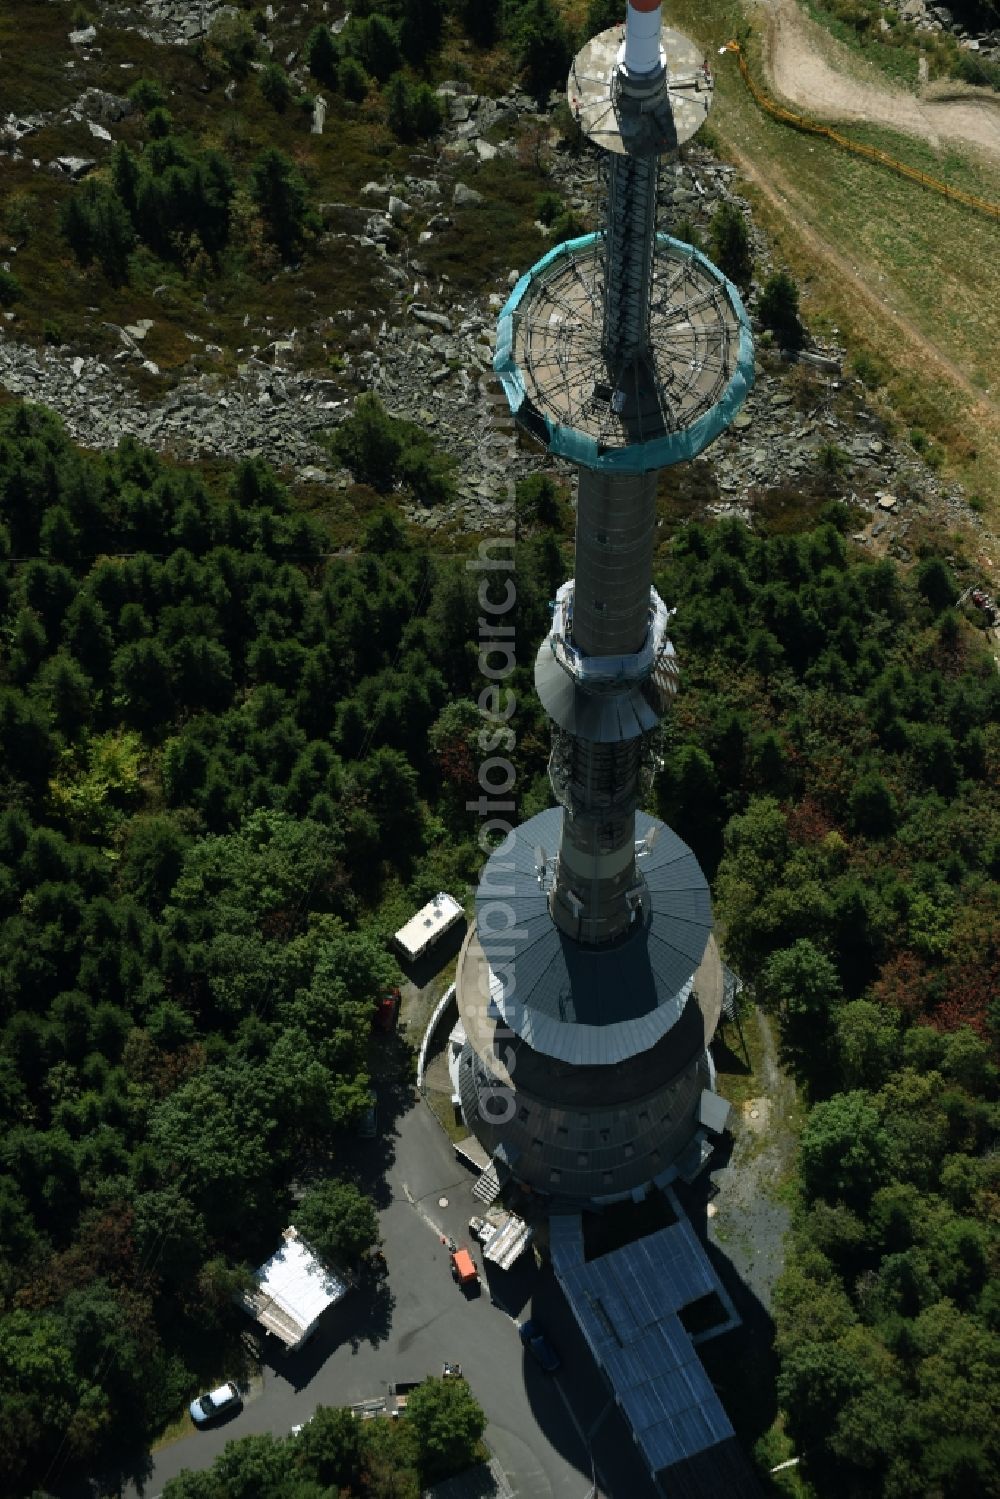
(597, 1095)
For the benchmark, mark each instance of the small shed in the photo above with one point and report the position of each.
(294, 1289)
(472, 1154)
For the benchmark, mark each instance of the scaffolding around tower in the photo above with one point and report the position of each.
(673, 403)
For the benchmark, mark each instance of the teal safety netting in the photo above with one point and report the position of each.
(602, 451)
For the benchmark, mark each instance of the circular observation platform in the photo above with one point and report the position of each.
(592, 88)
(671, 404)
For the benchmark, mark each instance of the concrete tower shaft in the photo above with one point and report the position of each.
(639, 89)
(628, 265)
(590, 985)
(595, 895)
(615, 533)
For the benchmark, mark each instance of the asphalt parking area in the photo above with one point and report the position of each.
(548, 1431)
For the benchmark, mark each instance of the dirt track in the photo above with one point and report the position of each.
(816, 74)
(820, 76)
(750, 1220)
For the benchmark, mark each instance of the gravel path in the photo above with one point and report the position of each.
(818, 74)
(750, 1223)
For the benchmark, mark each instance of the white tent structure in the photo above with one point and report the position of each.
(294, 1289)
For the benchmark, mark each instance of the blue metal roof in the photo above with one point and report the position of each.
(626, 1304)
(583, 1004)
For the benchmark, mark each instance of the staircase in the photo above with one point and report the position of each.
(490, 1184)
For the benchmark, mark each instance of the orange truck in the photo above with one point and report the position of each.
(463, 1268)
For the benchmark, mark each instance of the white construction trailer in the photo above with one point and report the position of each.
(428, 926)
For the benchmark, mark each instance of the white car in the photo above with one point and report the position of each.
(215, 1403)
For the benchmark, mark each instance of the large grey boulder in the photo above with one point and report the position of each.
(431, 319)
(466, 197)
(75, 167)
(100, 104)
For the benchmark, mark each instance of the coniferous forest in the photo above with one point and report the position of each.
(232, 763)
(835, 749)
(215, 754)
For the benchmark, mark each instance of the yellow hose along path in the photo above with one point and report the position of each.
(870, 153)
